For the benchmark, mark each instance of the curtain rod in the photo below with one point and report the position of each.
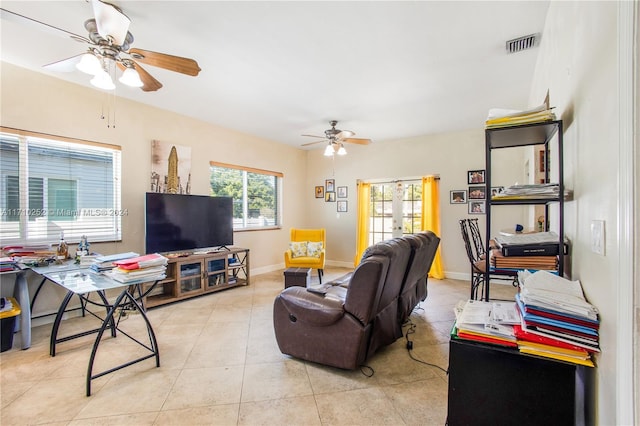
(437, 177)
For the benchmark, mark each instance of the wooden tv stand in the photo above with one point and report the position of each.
(200, 273)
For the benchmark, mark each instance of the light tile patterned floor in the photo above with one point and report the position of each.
(220, 364)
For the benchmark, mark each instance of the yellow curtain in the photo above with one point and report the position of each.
(362, 231)
(431, 218)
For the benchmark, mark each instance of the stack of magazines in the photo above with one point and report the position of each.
(150, 267)
(545, 191)
(556, 320)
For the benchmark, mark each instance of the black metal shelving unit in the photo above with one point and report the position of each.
(519, 136)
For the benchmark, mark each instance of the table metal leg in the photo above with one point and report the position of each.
(153, 348)
(56, 323)
(21, 293)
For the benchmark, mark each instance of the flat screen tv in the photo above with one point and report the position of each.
(176, 222)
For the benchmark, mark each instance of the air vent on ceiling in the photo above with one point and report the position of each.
(522, 43)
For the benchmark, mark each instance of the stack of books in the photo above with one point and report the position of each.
(134, 270)
(556, 320)
(498, 118)
(486, 322)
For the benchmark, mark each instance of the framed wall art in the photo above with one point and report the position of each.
(342, 192)
(319, 191)
(477, 207)
(330, 196)
(342, 206)
(330, 185)
(458, 196)
(475, 176)
(478, 192)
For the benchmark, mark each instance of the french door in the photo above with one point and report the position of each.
(395, 210)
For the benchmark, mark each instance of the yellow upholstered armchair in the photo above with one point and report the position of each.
(306, 250)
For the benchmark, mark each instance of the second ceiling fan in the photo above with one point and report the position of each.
(335, 138)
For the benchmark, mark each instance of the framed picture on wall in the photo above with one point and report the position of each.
(475, 176)
(342, 206)
(477, 192)
(319, 191)
(458, 196)
(476, 207)
(330, 196)
(342, 192)
(330, 185)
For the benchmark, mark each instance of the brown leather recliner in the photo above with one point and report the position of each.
(350, 324)
(362, 311)
(335, 330)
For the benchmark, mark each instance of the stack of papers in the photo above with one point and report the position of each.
(554, 308)
(150, 267)
(6, 264)
(547, 191)
(487, 322)
(505, 117)
(105, 263)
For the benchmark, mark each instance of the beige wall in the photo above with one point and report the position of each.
(578, 64)
(32, 101)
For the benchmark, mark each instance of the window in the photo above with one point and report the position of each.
(255, 193)
(396, 210)
(53, 185)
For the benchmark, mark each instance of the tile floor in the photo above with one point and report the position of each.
(220, 364)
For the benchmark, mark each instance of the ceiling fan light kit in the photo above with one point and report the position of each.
(131, 78)
(102, 80)
(89, 64)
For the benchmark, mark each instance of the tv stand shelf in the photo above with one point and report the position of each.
(200, 273)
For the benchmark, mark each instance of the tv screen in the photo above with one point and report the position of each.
(176, 222)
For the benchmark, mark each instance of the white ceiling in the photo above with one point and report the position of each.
(385, 69)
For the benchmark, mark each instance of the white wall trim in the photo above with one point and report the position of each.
(625, 369)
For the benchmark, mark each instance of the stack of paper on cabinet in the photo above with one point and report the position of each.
(486, 322)
(556, 320)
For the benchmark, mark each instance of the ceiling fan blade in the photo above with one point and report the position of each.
(150, 84)
(23, 20)
(111, 22)
(65, 65)
(357, 141)
(169, 62)
(314, 136)
(313, 143)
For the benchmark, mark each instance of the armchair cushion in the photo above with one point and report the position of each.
(298, 248)
(314, 248)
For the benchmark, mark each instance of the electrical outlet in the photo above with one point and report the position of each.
(597, 237)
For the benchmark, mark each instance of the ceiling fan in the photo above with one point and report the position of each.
(109, 42)
(336, 138)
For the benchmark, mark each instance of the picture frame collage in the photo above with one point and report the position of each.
(475, 196)
(333, 194)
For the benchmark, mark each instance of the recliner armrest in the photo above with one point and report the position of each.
(311, 308)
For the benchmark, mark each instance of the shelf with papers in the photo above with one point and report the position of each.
(552, 195)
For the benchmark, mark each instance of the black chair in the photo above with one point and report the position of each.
(477, 254)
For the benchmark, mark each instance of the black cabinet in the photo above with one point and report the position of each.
(490, 385)
(548, 135)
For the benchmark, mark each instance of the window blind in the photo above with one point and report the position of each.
(55, 186)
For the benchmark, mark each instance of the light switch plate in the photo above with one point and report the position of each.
(597, 237)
